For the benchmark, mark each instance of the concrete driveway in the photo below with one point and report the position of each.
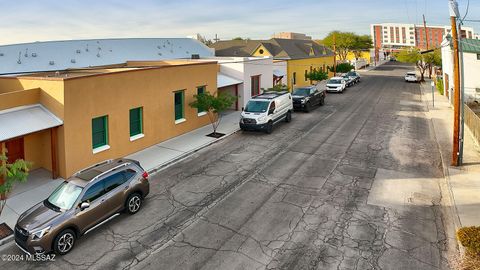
(351, 185)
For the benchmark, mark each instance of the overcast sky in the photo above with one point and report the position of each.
(29, 20)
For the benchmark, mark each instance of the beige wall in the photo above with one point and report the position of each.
(115, 94)
(38, 149)
(19, 98)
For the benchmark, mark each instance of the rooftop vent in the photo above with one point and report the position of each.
(1, 54)
(98, 54)
(73, 61)
(79, 51)
(34, 54)
(195, 56)
(160, 53)
(51, 63)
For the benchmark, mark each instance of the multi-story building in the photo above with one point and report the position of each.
(302, 56)
(396, 36)
(291, 35)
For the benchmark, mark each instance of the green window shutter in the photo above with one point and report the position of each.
(136, 125)
(99, 131)
(179, 99)
(200, 90)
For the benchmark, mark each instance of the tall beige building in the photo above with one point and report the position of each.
(291, 35)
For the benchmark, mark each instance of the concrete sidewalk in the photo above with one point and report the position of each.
(154, 158)
(462, 183)
(163, 154)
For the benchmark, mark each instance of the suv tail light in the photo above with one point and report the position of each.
(145, 175)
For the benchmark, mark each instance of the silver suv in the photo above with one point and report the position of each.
(85, 201)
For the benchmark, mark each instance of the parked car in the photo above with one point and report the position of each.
(354, 75)
(85, 201)
(411, 77)
(265, 110)
(336, 84)
(348, 81)
(305, 98)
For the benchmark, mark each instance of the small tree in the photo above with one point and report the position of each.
(343, 68)
(9, 175)
(213, 106)
(317, 75)
(421, 61)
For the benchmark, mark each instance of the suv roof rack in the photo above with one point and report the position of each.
(111, 170)
(93, 166)
(270, 94)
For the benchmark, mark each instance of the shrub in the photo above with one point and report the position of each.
(343, 68)
(469, 237)
(440, 85)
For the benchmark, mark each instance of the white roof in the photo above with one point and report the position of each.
(59, 55)
(224, 80)
(279, 73)
(24, 120)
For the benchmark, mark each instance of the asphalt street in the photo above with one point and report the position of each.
(350, 185)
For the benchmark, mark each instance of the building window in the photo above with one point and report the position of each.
(200, 91)
(478, 56)
(306, 75)
(255, 87)
(179, 110)
(136, 121)
(260, 51)
(99, 132)
(294, 78)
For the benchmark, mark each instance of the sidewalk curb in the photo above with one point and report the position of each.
(6, 240)
(185, 155)
(446, 187)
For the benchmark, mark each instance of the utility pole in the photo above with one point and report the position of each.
(456, 85)
(216, 39)
(425, 28)
(334, 55)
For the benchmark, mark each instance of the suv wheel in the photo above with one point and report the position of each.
(64, 242)
(133, 204)
(308, 107)
(269, 127)
(288, 117)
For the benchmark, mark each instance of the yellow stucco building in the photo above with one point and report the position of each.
(81, 117)
(364, 55)
(302, 56)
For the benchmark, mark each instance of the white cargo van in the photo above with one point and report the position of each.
(265, 110)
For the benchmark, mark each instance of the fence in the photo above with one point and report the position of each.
(473, 122)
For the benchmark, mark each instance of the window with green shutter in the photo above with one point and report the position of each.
(99, 131)
(200, 90)
(136, 125)
(179, 99)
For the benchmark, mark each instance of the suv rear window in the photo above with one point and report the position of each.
(115, 180)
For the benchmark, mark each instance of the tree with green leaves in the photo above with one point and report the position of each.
(347, 42)
(11, 173)
(317, 75)
(343, 68)
(363, 43)
(213, 106)
(422, 61)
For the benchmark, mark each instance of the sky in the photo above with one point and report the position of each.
(33, 20)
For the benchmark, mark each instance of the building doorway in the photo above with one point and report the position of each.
(15, 150)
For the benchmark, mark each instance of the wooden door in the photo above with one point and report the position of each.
(15, 150)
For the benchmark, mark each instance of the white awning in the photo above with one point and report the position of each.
(224, 80)
(279, 73)
(23, 120)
